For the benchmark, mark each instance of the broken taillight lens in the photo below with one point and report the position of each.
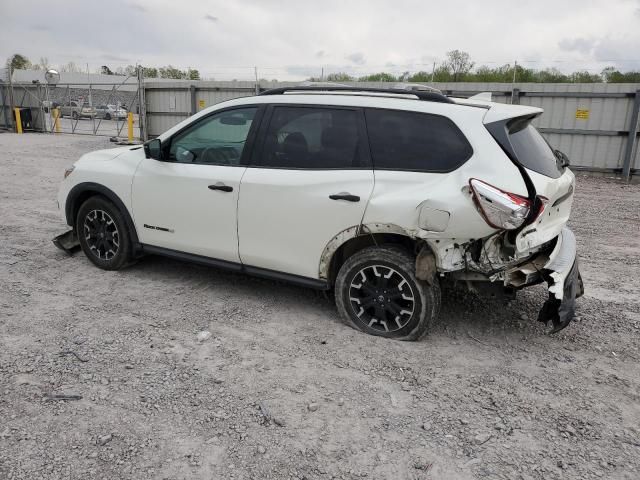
(499, 209)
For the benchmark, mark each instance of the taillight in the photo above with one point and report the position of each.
(499, 209)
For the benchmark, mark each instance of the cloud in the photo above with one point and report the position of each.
(582, 45)
(211, 18)
(114, 58)
(138, 7)
(40, 28)
(320, 54)
(357, 58)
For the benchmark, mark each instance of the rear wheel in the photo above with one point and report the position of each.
(103, 234)
(378, 293)
(107, 116)
(74, 115)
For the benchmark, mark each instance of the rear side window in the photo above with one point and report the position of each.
(533, 151)
(312, 138)
(415, 141)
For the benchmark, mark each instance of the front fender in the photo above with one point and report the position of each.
(84, 190)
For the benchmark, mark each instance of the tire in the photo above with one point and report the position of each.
(74, 115)
(103, 234)
(373, 268)
(107, 116)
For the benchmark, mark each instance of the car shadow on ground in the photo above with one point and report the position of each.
(463, 313)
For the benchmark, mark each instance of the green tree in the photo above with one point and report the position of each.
(104, 70)
(149, 72)
(458, 63)
(379, 77)
(18, 62)
(339, 77)
(584, 77)
(192, 74)
(551, 75)
(420, 77)
(613, 75)
(171, 72)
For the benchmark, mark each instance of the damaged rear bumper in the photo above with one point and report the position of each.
(562, 274)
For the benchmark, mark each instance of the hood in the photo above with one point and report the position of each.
(103, 155)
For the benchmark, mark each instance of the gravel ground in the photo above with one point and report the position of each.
(282, 389)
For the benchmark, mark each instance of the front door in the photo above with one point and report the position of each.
(188, 201)
(310, 180)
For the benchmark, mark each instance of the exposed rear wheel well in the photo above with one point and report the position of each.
(354, 245)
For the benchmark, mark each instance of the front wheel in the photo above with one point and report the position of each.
(378, 293)
(103, 234)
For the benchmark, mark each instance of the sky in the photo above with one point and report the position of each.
(295, 39)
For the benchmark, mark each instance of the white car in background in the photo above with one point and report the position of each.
(380, 195)
(109, 112)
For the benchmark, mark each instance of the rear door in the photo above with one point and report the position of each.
(310, 179)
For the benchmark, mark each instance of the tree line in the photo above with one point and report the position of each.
(458, 67)
(21, 62)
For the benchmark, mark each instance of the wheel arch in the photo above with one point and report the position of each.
(83, 191)
(356, 238)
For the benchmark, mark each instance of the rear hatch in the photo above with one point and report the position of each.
(550, 183)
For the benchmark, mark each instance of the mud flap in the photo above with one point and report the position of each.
(565, 283)
(67, 242)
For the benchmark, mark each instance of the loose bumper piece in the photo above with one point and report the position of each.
(565, 283)
(67, 242)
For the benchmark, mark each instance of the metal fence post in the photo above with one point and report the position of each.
(631, 139)
(142, 106)
(515, 96)
(10, 93)
(4, 106)
(192, 90)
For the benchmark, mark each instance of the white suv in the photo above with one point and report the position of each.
(378, 194)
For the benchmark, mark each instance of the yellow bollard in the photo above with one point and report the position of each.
(18, 120)
(56, 119)
(130, 121)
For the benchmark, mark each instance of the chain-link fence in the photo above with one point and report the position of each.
(81, 108)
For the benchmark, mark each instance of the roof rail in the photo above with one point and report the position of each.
(429, 96)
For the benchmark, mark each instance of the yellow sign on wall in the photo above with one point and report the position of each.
(201, 103)
(582, 114)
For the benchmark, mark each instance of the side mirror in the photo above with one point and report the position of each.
(153, 149)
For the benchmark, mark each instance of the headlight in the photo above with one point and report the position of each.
(68, 171)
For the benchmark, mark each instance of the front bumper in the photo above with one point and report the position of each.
(562, 275)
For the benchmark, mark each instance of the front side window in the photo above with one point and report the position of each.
(414, 141)
(312, 138)
(215, 140)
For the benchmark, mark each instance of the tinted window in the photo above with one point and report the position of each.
(216, 140)
(533, 151)
(307, 137)
(415, 141)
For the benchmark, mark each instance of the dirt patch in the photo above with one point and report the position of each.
(486, 395)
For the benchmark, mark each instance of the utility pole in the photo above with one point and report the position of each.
(255, 72)
(433, 73)
(322, 75)
(513, 82)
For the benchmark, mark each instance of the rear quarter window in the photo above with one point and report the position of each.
(533, 151)
(415, 141)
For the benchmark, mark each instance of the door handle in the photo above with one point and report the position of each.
(220, 186)
(345, 196)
